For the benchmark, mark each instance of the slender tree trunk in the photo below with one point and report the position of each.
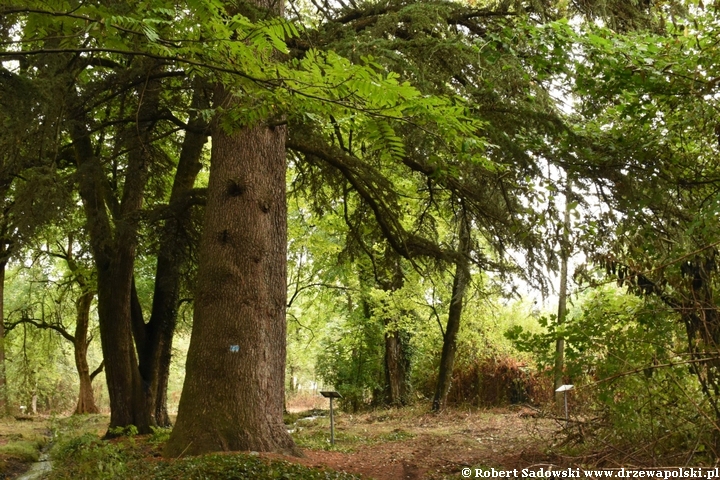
(86, 399)
(460, 283)
(4, 406)
(562, 304)
(114, 254)
(234, 387)
(173, 255)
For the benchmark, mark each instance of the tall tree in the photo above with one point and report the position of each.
(562, 299)
(236, 361)
(79, 339)
(154, 338)
(461, 281)
(31, 194)
(352, 124)
(235, 368)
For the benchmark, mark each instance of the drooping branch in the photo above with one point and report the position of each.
(364, 179)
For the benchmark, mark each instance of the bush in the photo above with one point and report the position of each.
(492, 382)
(626, 357)
(87, 456)
(351, 359)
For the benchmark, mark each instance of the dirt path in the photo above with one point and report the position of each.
(409, 444)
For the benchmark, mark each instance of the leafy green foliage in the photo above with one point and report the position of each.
(626, 357)
(87, 456)
(606, 334)
(647, 115)
(351, 358)
(126, 431)
(41, 366)
(397, 113)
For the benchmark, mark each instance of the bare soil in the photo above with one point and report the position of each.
(416, 444)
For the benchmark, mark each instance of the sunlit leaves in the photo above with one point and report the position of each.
(249, 56)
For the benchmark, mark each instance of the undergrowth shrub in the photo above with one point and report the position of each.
(635, 393)
(88, 457)
(491, 382)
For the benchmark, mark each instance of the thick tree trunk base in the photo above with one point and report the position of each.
(86, 400)
(234, 388)
(220, 436)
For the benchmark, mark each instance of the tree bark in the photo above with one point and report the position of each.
(460, 283)
(173, 255)
(114, 255)
(86, 399)
(396, 369)
(138, 354)
(234, 389)
(4, 406)
(125, 386)
(562, 305)
(233, 394)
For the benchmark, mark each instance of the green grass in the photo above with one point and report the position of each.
(79, 424)
(88, 457)
(25, 451)
(315, 434)
(20, 444)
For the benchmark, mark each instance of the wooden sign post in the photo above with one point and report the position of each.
(331, 395)
(564, 389)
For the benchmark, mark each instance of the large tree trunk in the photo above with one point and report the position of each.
(86, 399)
(460, 283)
(138, 384)
(114, 258)
(233, 394)
(125, 386)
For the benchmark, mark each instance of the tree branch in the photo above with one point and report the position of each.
(97, 370)
(407, 245)
(43, 325)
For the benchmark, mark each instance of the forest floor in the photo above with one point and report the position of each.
(20, 444)
(407, 443)
(413, 443)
